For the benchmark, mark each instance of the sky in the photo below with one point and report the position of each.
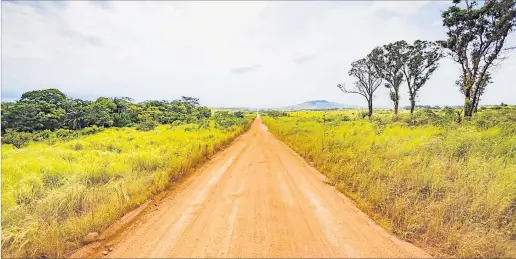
(228, 54)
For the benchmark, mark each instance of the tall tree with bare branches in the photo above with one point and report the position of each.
(367, 81)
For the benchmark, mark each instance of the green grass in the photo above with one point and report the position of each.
(54, 194)
(427, 179)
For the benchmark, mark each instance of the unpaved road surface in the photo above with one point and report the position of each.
(257, 198)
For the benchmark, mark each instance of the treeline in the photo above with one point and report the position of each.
(51, 109)
(475, 41)
(50, 115)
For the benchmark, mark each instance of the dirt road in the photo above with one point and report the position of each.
(257, 198)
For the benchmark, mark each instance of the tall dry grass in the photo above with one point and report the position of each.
(428, 179)
(54, 194)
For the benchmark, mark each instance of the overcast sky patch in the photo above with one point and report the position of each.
(303, 59)
(242, 70)
(167, 49)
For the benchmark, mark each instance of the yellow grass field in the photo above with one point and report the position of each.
(431, 180)
(53, 195)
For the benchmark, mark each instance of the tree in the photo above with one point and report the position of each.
(51, 109)
(202, 112)
(388, 61)
(480, 91)
(420, 61)
(76, 114)
(476, 38)
(122, 116)
(191, 101)
(50, 96)
(367, 81)
(36, 110)
(100, 112)
(22, 116)
(152, 113)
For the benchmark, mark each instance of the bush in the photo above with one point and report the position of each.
(147, 125)
(17, 139)
(42, 135)
(239, 114)
(225, 120)
(90, 130)
(276, 114)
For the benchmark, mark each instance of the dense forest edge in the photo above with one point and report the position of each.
(50, 115)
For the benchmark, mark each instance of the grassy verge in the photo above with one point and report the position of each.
(427, 179)
(54, 194)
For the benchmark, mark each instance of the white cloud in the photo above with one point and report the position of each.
(227, 53)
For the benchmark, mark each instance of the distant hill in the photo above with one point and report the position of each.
(317, 105)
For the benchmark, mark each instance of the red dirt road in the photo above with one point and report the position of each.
(257, 198)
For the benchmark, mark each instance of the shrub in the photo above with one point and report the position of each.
(17, 139)
(90, 130)
(346, 118)
(239, 114)
(146, 125)
(225, 120)
(276, 114)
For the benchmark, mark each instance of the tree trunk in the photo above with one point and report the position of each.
(468, 107)
(370, 103)
(412, 105)
(476, 100)
(396, 107)
(468, 104)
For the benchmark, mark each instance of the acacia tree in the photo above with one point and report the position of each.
(367, 81)
(420, 61)
(476, 37)
(389, 61)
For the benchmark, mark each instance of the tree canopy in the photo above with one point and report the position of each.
(476, 38)
(51, 109)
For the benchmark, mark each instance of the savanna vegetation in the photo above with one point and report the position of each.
(444, 178)
(475, 40)
(70, 167)
(425, 177)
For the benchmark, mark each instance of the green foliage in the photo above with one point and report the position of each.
(275, 114)
(17, 139)
(394, 63)
(476, 36)
(389, 61)
(421, 59)
(147, 125)
(225, 120)
(101, 112)
(239, 114)
(52, 110)
(20, 139)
